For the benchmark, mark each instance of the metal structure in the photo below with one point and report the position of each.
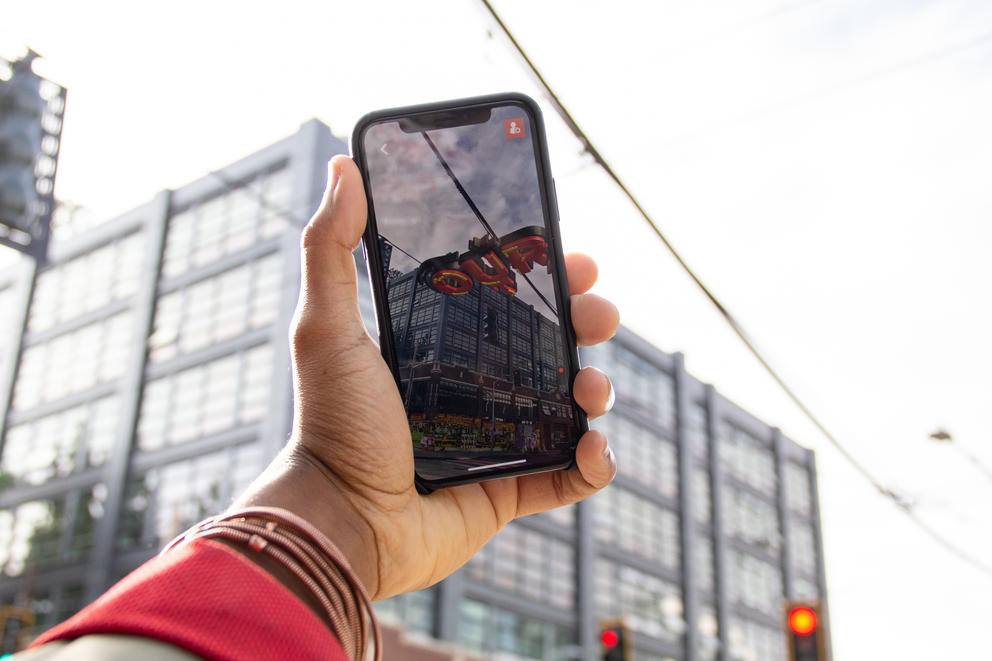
(152, 383)
(31, 111)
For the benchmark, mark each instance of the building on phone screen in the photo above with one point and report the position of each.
(144, 381)
(492, 363)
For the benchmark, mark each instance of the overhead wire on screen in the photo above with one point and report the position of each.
(478, 214)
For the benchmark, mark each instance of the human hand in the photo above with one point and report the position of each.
(348, 467)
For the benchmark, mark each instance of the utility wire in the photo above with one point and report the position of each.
(385, 240)
(458, 185)
(478, 214)
(900, 502)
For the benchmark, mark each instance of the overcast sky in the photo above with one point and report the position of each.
(420, 211)
(823, 164)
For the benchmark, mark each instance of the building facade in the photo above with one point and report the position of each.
(144, 380)
(480, 372)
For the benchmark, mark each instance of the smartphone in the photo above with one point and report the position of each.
(466, 269)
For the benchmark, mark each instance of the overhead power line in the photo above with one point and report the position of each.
(900, 502)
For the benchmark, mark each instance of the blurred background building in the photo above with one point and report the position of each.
(144, 380)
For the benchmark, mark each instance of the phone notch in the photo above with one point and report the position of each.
(445, 119)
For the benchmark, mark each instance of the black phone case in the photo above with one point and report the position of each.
(374, 263)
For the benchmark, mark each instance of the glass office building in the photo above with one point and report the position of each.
(144, 380)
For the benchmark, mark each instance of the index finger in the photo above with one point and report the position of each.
(581, 271)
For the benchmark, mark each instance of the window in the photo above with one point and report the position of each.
(74, 361)
(635, 524)
(413, 610)
(473, 624)
(216, 309)
(277, 204)
(206, 399)
(802, 547)
(746, 458)
(754, 583)
(43, 534)
(702, 500)
(803, 589)
(650, 605)
(642, 455)
(88, 508)
(751, 518)
(164, 501)
(9, 322)
(798, 490)
(708, 628)
(697, 436)
(256, 384)
(644, 386)
(35, 529)
(750, 641)
(253, 211)
(88, 282)
(177, 244)
(564, 516)
(486, 628)
(702, 550)
(458, 398)
(528, 563)
(62, 443)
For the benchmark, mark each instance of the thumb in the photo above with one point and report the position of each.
(329, 288)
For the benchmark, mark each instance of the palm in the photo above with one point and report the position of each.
(447, 526)
(350, 420)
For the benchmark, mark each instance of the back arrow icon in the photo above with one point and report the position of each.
(383, 149)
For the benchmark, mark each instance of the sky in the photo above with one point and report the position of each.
(498, 174)
(822, 164)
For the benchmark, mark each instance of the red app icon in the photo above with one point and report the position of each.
(514, 127)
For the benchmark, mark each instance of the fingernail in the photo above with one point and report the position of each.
(611, 460)
(333, 174)
(611, 400)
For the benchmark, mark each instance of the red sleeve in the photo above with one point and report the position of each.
(208, 599)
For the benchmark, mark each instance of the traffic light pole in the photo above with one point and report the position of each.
(24, 281)
(585, 571)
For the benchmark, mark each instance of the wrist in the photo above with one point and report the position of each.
(296, 482)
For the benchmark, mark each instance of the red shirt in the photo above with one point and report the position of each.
(208, 599)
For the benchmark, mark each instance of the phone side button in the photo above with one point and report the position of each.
(554, 198)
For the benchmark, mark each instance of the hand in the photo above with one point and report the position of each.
(348, 467)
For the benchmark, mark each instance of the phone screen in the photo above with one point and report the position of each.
(473, 307)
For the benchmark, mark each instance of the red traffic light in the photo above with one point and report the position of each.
(802, 620)
(609, 638)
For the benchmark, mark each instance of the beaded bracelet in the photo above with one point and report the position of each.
(310, 556)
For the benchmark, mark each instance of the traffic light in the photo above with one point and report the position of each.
(30, 131)
(804, 631)
(614, 641)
